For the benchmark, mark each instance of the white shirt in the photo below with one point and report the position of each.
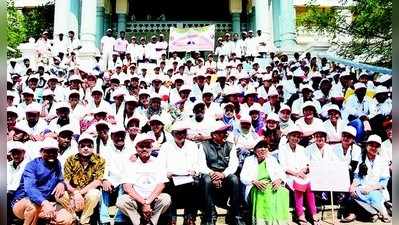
(386, 150)
(59, 46)
(39, 127)
(309, 129)
(353, 107)
(108, 44)
(315, 154)
(161, 45)
(293, 160)
(297, 106)
(178, 160)
(71, 150)
(384, 108)
(73, 44)
(114, 170)
(134, 50)
(251, 46)
(14, 174)
(377, 169)
(333, 133)
(150, 51)
(352, 154)
(144, 176)
(197, 128)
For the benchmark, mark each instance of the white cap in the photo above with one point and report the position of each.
(86, 136)
(65, 128)
(245, 118)
(177, 77)
(207, 90)
(381, 89)
(359, 85)
(198, 102)
(13, 109)
(185, 87)
(143, 137)
(33, 107)
(117, 128)
(250, 91)
(118, 92)
(298, 73)
(320, 129)
(130, 98)
(155, 95)
(49, 143)
(284, 107)
(308, 104)
(102, 122)
(272, 92)
(315, 74)
(99, 110)
(219, 126)
(144, 92)
(333, 107)
(374, 138)
(230, 90)
(11, 145)
(135, 117)
(60, 105)
(294, 128)
(350, 130)
(156, 118)
(383, 78)
(306, 86)
(97, 89)
(28, 90)
(267, 76)
(73, 92)
(48, 92)
(34, 76)
(255, 107)
(179, 125)
(75, 77)
(273, 117)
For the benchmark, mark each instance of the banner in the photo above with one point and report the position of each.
(329, 176)
(192, 39)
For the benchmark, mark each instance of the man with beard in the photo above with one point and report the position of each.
(180, 158)
(114, 154)
(107, 47)
(143, 201)
(66, 143)
(41, 185)
(218, 162)
(15, 168)
(37, 125)
(62, 118)
(199, 130)
(83, 173)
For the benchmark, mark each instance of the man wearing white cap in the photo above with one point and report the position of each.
(381, 104)
(67, 145)
(180, 158)
(83, 173)
(63, 118)
(15, 168)
(161, 46)
(115, 154)
(334, 124)
(199, 125)
(307, 95)
(98, 101)
(107, 47)
(218, 163)
(78, 110)
(36, 125)
(27, 98)
(358, 105)
(33, 199)
(212, 109)
(150, 50)
(143, 199)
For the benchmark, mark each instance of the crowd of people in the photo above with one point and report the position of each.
(149, 132)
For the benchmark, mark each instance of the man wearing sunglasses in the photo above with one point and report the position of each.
(218, 163)
(83, 173)
(143, 201)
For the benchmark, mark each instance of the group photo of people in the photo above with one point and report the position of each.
(138, 134)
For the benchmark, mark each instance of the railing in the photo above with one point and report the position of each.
(357, 65)
(148, 28)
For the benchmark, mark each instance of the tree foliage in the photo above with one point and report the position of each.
(366, 35)
(16, 31)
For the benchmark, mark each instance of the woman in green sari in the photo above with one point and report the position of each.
(265, 192)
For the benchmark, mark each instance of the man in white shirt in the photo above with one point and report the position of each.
(67, 145)
(218, 163)
(59, 45)
(73, 42)
(15, 168)
(107, 47)
(251, 46)
(161, 46)
(358, 105)
(262, 44)
(180, 158)
(143, 201)
(115, 172)
(121, 44)
(150, 50)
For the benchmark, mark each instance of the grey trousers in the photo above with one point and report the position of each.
(129, 207)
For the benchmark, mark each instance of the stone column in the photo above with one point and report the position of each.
(88, 31)
(276, 23)
(235, 10)
(121, 12)
(99, 22)
(288, 27)
(61, 9)
(74, 16)
(263, 18)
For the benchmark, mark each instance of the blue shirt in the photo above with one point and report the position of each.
(38, 181)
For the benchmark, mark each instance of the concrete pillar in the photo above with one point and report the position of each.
(236, 23)
(88, 31)
(263, 18)
(74, 16)
(288, 28)
(235, 7)
(99, 22)
(276, 23)
(253, 20)
(121, 12)
(61, 9)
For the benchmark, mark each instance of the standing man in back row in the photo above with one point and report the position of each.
(107, 47)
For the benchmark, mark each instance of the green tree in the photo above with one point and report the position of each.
(366, 35)
(16, 31)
